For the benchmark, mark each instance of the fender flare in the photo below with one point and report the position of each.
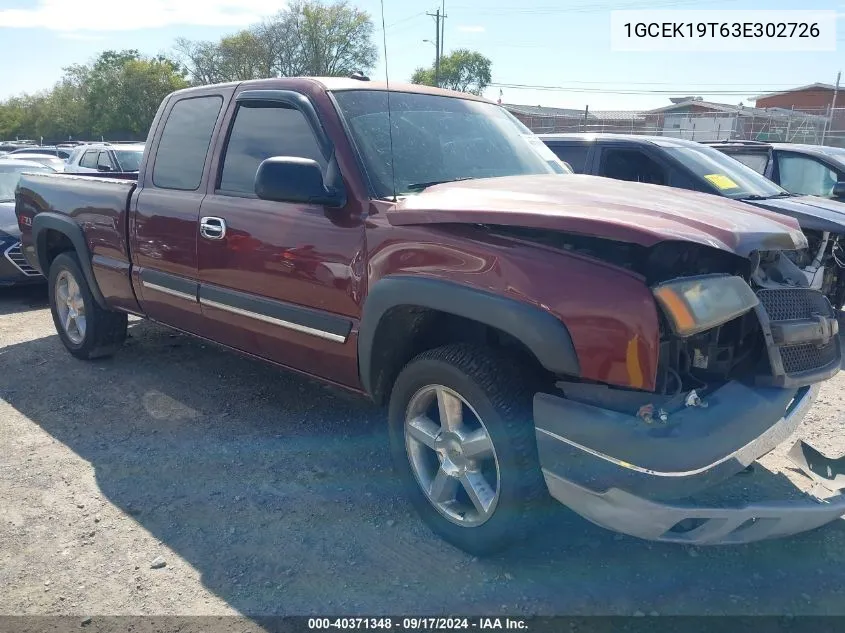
(46, 221)
(545, 336)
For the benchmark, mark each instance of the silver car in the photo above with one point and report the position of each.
(105, 158)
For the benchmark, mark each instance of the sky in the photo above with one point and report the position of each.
(562, 45)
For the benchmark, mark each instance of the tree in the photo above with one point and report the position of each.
(462, 70)
(116, 96)
(307, 38)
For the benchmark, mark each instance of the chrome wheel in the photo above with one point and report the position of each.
(70, 307)
(452, 455)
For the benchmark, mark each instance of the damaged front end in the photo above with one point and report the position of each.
(744, 344)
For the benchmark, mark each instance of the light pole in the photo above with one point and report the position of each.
(436, 61)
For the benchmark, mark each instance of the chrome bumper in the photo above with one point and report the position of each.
(619, 510)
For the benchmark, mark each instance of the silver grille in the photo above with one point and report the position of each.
(14, 255)
(786, 304)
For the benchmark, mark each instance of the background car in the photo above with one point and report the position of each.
(105, 157)
(814, 170)
(61, 152)
(685, 164)
(53, 162)
(14, 268)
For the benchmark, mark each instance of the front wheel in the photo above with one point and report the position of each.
(86, 330)
(462, 441)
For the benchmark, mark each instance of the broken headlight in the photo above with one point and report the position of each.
(696, 304)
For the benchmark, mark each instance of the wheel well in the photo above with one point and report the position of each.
(55, 243)
(406, 331)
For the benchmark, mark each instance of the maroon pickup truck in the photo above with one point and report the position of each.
(617, 345)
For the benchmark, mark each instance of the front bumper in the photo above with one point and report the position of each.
(14, 268)
(674, 461)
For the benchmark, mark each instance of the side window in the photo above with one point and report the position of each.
(575, 155)
(679, 180)
(258, 133)
(633, 165)
(89, 159)
(801, 174)
(104, 161)
(757, 162)
(182, 150)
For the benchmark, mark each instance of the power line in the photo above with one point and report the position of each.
(401, 21)
(586, 8)
(630, 91)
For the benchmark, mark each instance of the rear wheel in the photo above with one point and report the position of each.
(86, 330)
(463, 443)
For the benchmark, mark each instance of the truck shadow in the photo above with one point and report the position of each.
(23, 298)
(279, 492)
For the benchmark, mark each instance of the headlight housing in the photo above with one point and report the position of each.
(696, 304)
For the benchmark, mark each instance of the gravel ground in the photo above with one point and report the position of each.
(178, 478)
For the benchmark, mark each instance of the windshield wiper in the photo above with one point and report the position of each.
(756, 196)
(419, 186)
(7, 200)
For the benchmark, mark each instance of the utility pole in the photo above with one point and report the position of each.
(442, 26)
(832, 104)
(439, 25)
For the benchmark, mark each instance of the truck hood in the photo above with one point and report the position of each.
(812, 212)
(8, 220)
(602, 207)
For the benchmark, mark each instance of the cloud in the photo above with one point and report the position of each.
(471, 29)
(123, 15)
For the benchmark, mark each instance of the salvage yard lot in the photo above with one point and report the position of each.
(265, 493)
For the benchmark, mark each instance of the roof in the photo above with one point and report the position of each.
(710, 105)
(331, 84)
(544, 111)
(742, 111)
(815, 86)
(633, 139)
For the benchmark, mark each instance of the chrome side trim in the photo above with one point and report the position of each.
(329, 336)
(168, 291)
(746, 455)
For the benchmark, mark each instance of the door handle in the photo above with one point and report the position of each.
(212, 228)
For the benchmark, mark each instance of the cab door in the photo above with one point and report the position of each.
(279, 280)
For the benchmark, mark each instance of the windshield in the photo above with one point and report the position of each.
(9, 177)
(729, 176)
(439, 139)
(129, 160)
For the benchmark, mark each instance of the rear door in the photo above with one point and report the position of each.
(164, 225)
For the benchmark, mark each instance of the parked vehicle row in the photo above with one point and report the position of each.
(689, 165)
(14, 269)
(812, 170)
(617, 345)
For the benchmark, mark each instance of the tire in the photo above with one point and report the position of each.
(495, 397)
(100, 332)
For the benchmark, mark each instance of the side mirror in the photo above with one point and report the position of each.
(103, 168)
(292, 179)
(839, 190)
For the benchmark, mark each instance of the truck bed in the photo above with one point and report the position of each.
(95, 203)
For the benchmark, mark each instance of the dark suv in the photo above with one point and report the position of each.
(674, 162)
(813, 170)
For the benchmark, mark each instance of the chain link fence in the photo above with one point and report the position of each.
(815, 127)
